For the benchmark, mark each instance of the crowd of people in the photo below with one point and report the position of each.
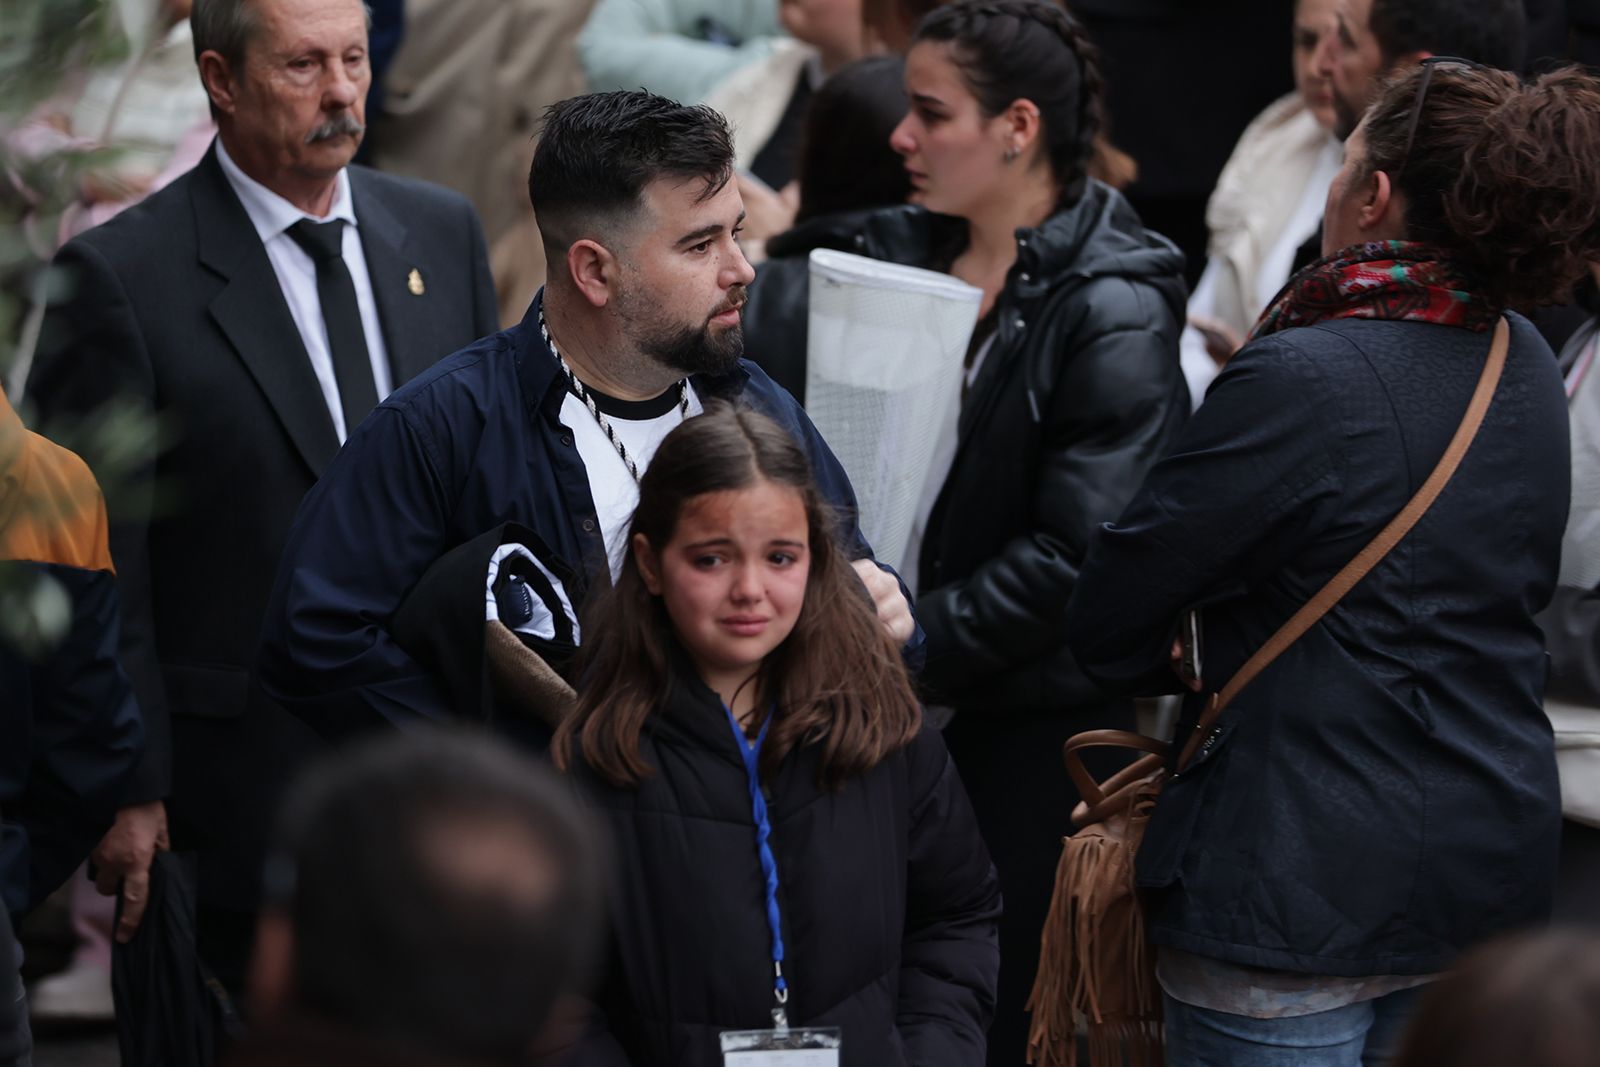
(473, 654)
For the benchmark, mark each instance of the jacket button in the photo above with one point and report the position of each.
(1025, 277)
(588, 526)
(566, 439)
(861, 240)
(1021, 324)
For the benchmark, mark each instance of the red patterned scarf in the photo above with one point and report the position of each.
(1379, 280)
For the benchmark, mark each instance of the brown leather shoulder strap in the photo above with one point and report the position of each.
(1369, 557)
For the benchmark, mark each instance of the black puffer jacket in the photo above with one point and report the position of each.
(776, 316)
(1078, 396)
(887, 896)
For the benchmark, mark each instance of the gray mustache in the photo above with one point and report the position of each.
(344, 125)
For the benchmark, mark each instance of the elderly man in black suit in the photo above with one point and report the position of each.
(258, 307)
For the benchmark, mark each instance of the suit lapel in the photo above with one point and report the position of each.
(253, 314)
(399, 284)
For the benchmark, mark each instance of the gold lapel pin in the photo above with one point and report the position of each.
(414, 282)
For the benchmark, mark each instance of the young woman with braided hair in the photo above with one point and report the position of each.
(1072, 392)
(1383, 795)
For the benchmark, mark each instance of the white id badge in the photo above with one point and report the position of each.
(795, 1047)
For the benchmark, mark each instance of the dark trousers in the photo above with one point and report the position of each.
(16, 1043)
(1011, 767)
(1578, 875)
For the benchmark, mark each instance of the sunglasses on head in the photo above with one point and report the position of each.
(1429, 65)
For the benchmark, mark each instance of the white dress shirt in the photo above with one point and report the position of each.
(272, 216)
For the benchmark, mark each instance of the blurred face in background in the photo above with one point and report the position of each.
(1314, 21)
(1352, 61)
(833, 27)
(953, 154)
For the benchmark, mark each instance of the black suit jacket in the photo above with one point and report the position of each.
(172, 310)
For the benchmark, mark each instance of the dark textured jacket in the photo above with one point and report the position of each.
(887, 896)
(1384, 794)
(776, 318)
(1079, 394)
(475, 442)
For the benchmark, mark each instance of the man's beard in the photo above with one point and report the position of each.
(697, 349)
(1345, 117)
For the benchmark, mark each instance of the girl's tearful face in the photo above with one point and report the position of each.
(733, 576)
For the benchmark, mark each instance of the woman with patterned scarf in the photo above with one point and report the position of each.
(1384, 794)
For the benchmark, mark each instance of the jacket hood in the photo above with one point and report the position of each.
(1099, 236)
(839, 230)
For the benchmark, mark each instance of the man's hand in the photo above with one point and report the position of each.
(893, 610)
(122, 859)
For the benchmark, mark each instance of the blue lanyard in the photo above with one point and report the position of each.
(769, 866)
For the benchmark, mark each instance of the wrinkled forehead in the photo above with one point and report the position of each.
(293, 25)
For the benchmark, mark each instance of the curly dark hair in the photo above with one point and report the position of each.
(1009, 50)
(1501, 175)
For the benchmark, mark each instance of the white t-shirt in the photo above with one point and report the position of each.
(640, 426)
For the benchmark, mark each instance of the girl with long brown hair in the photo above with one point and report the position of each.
(788, 840)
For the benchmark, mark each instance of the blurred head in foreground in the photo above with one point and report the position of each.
(1530, 999)
(436, 892)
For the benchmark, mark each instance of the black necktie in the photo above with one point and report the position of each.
(352, 364)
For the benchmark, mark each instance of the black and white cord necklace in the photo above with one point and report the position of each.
(582, 393)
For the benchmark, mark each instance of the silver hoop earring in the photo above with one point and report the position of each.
(1011, 154)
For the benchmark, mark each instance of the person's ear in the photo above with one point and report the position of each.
(1018, 128)
(272, 965)
(649, 564)
(593, 270)
(1380, 209)
(218, 79)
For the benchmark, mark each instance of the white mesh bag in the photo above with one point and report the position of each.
(883, 366)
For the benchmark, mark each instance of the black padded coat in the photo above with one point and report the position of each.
(1079, 395)
(888, 900)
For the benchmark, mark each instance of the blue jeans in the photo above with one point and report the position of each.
(1357, 1035)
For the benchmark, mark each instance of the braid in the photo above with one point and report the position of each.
(1005, 59)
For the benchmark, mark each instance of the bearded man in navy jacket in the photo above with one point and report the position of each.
(547, 424)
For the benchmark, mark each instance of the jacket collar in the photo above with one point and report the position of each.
(253, 315)
(544, 387)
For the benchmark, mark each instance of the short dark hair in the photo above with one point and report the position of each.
(845, 159)
(224, 27)
(443, 890)
(1491, 32)
(598, 152)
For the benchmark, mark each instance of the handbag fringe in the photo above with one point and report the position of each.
(1085, 978)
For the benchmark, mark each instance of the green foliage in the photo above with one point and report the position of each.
(46, 46)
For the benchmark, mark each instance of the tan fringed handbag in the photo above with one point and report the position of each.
(1095, 965)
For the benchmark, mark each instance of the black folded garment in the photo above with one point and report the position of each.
(495, 619)
(170, 1011)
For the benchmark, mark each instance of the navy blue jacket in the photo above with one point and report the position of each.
(473, 443)
(1384, 794)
